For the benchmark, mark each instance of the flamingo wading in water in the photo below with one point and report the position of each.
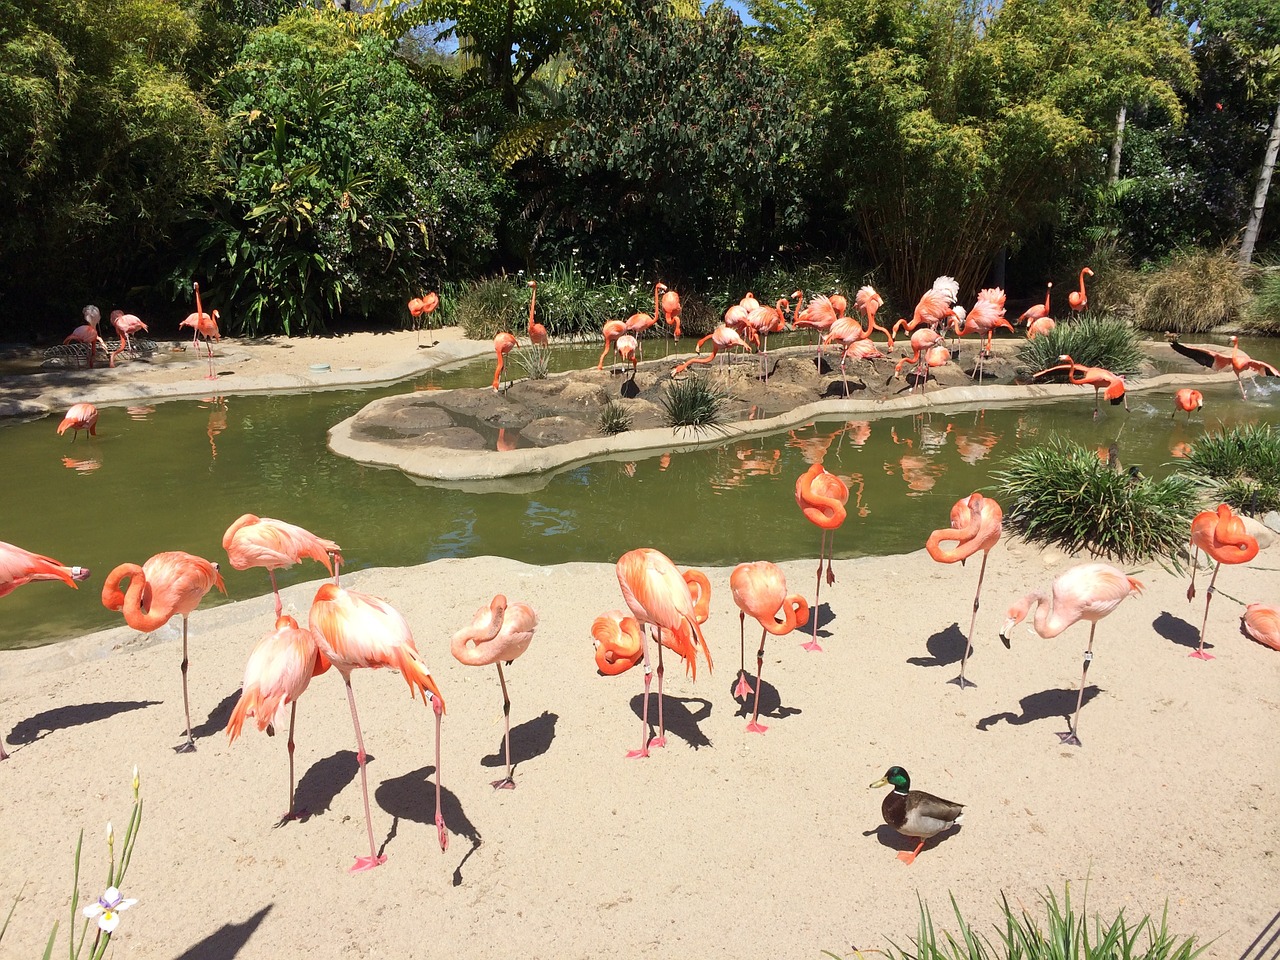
(1235, 359)
(80, 416)
(760, 591)
(1104, 382)
(253, 541)
(1222, 535)
(821, 497)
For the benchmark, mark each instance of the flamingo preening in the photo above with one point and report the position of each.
(821, 497)
(1222, 535)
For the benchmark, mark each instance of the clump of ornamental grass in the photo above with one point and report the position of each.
(1263, 316)
(534, 360)
(575, 303)
(1065, 935)
(1061, 493)
(1240, 466)
(692, 402)
(488, 307)
(1195, 292)
(1091, 340)
(614, 419)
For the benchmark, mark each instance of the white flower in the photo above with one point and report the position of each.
(107, 909)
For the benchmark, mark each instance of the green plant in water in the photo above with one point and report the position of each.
(1062, 493)
(1094, 341)
(692, 402)
(1239, 466)
(534, 360)
(614, 419)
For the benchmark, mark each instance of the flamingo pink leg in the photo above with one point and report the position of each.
(661, 739)
(743, 689)
(507, 783)
(276, 590)
(372, 860)
(441, 833)
(1070, 736)
(754, 726)
(291, 813)
(644, 707)
(189, 746)
(960, 681)
(1199, 653)
(823, 555)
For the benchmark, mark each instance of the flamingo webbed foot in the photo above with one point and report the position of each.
(755, 727)
(1200, 655)
(1069, 738)
(506, 783)
(657, 742)
(743, 689)
(638, 754)
(813, 646)
(187, 746)
(962, 682)
(367, 863)
(441, 833)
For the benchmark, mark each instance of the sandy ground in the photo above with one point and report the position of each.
(723, 844)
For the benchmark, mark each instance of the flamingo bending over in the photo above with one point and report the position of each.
(167, 585)
(670, 308)
(1037, 311)
(503, 344)
(19, 567)
(1239, 361)
(87, 334)
(987, 314)
(499, 631)
(821, 497)
(1088, 592)
(80, 416)
(819, 316)
(253, 541)
(278, 672)
(1111, 385)
(356, 630)
(867, 302)
(1222, 535)
(976, 524)
(760, 590)
(126, 325)
(1079, 299)
(1261, 622)
(628, 348)
(935, 308)
(722, 338)
(1188, 400)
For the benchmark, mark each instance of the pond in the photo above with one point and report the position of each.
(175, 475)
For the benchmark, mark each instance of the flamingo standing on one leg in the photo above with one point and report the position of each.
(1237, 360)
(671, 309)
(19, 566)
(1188, 400)
(278, 672)
(1089, 592)
(423, 307)
(987, 314)
(821, 496)
(537, 332)
(498, 632)
(1079, 299)
(760, 590)
(1261, 622)
(126, 325)
(1222, 535)
(722, 338)
(357, 630)
(503, 344)
(976, 524)
(80, 416)
(657, 594)
(922, 341)
(169, 584)
(253, 541)
(202, 324)
(612, 330)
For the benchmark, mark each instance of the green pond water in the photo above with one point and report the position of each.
(173, 476)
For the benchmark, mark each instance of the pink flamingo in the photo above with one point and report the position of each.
(498, 632)
(1223, 536)
(922, 342)
(356, 630)
(19, 567)
(1104, 382)
(1079, 299)
(87, 334)
(202, 324)
(868, 302)
(671, 309)
(537, 332)
(126, 325)
(612, 330)
(821, 497)
(169, 584)
(628, 348)
(503, 343)
(80, 416)
(987, 314)
(278, 672)
(765, 320)
(976, 524)
(935, 308)
(1088, 592)
(722, 338)
(1037, 311)
(819, 316)
(760, 590)
(1237, 360)
(253, 541)
(657, 594)
(1188, 400)
(1261, 622)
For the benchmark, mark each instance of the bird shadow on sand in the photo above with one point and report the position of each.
(824, 618)
(1176, 630)
(835, 390)
(528, 740)
(629, 389)
(1042, 706)
(218, 716)
(413, 797)
(323, 781)
(60, 718)
(681, 720)
(770, 700)
(945, 648)
(892, 839)
(228, 940)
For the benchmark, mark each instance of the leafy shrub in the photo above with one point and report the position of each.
(488, 307)
(575, 304)
(1062, 493)
(1195, 292)
(614, 419)
(1240, 465)
(1264, 311)
(1092, 340)
(692, 402)
(534, 360)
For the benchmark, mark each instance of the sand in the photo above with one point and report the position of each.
(722, 844)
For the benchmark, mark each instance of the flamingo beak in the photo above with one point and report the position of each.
(1005, 640)
(430, 684)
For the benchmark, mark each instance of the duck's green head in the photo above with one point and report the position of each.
(897, 777)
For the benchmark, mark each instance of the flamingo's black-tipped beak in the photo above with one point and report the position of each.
(1005, 641)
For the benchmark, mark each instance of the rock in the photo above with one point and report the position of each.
(1272, 521)
(1259, 531)
(550, 431)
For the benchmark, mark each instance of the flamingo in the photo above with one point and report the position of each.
(760, 590)
(87, 334)
(498, 632)
(819, 316)
(987, 314)
(749, 302)
(1078, 299)
(858, 350)
(277, 674)
(503, 344)
(126, 325)
(671, 308)
(821, 497)
(205, 324)
(935, 307)
(1222, 535)
(169, 584)
(867, 302)
(1236, 359)
(922, 342)
(537, 332)
(356, 630)
(628, 347)
(765, 320)
(722, 338)
(1089, 592)
(976, 524)
(1260, 622)
(19, 567)
(80, 416)
(1041, 328)
(612, 330)
(1188, 400)
(1102, 380)
(1037, 311)
(657, 594)
(253, 541)
(423, 307)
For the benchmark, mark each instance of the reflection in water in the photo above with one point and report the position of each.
(87, 465)
(140, 412)
(508, 439)
(217, 407)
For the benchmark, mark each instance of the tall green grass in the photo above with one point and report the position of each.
(692, 402)
(1240, 466)
(1195, 292)
(1092, 340)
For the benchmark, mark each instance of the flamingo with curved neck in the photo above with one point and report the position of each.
(760, 591)
(1223, 536)
(503, 344)
(1079, 299)
(821, 497)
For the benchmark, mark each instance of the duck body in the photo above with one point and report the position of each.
(914, 813)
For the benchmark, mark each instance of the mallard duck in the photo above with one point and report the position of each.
(914, 813)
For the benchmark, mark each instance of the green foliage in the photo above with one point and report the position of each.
(574, 303)
(1240, 466)
(682, 141)
(1092, 340)
(1195, 292)
(1062, 493)
(534, 360)
(614, 419)
(692, 402)
(1264, 310)
(492, 306)
(342, 193)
